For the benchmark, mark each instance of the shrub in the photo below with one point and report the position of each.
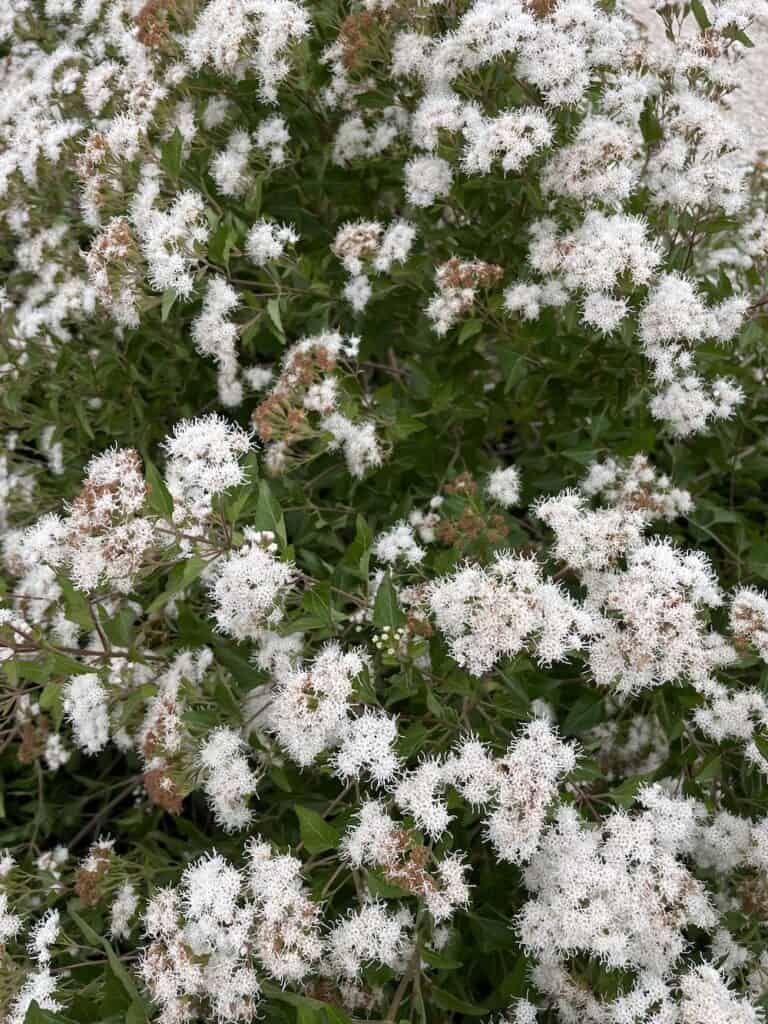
(383, 506)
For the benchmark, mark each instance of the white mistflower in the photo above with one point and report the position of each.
(10, 923)
(513, 137)
(267, 241)
(369, 935)
(123, 909)
(249, 586)
(398, 544)
(503, 486)
(229, 168)
(427, 178)
(367, 744)
(749, 619)
(203, 461)
(227, 778)
(272, 137)
(310, 705)
(488, 614)
(85, 705)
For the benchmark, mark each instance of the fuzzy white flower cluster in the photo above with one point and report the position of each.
(86, 707)
(203, 462)
(494, 613)
(39, 982)
(311, 707)
(103, 538)
(215, 335)
(249, 586)
(222, 930)
(305, 404)
(363, 244)
(636, 484)
(227, 778)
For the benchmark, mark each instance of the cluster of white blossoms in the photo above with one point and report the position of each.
(221, 930)
(249, 586)
(491, 613)
(459, 283)
(364, 246)
(311, 707)
(406, 720)
(104, 537)
(636, 484)
(86, 707)
(309, 403)
(40, 982)
(227, 778)
(203, 462)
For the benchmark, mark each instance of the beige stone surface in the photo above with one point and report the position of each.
(749, 103)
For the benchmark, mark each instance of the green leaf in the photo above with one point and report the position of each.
(114, 960)
(447, 1001)
(269, 515)
(75, 603)
(282, 995)
(586, 711)
(386, 610)
(626, 794)
(335, 1016)
(700, 15)
(273, 310)
(469, 329)
(170, 154)
(316, 834)
(37, 1015)
(169, 298)
(221, 244)
(357, 557)
(182, 576)
(442, 963)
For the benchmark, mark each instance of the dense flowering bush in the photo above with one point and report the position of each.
(383, 505)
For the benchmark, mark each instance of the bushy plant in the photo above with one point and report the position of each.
(383, 500)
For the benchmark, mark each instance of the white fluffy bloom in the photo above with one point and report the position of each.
(398, 544)
(229, 168)
(503, 486)
(654, 630)
(249, 586)
(419, 793)
(588, 538)
(488, 614)
(203, 461)
(272, 137)
(706, 999)
(358, 441)
(367, 744)
(427, 178)
(310, 706)
(601, 163)
(528, 779)
(170, 240)
(260, 31)
(287, 936)
(227, 778)
(370, 934)
(620, 894)
(267, 241)
(749, 619)
(514, 136)
(85, 705)
(10, 923)
(123, 909)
